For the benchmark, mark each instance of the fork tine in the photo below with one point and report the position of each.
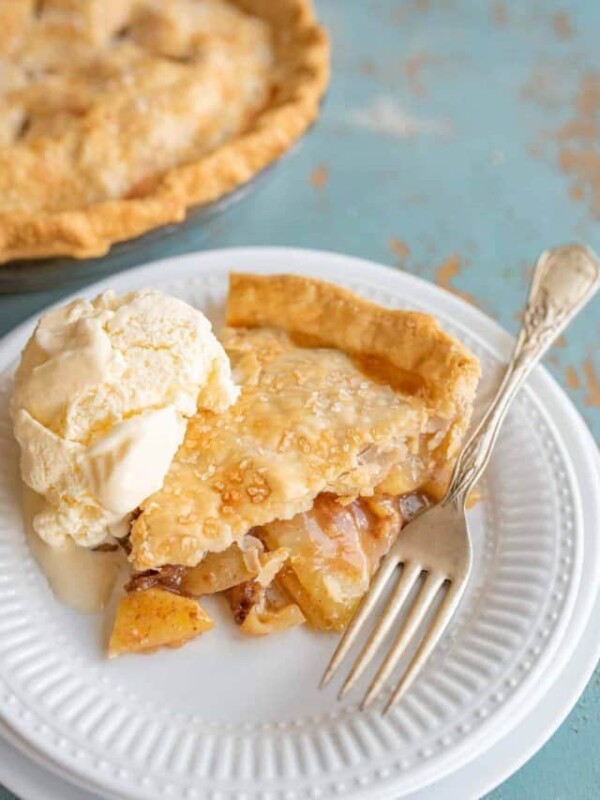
(443, 616)
(410, 573)
(360, 615)
(426, 595)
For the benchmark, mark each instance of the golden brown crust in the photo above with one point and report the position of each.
(308, 419)
(409, 349)
(406, 349)
(302, 65)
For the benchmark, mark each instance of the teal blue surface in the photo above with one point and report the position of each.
(459, 139)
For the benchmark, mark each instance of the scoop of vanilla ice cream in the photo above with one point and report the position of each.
(100, 405)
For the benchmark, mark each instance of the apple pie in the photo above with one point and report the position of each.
(116, 116)
(349, 419)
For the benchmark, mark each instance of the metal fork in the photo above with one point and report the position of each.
(436, 545)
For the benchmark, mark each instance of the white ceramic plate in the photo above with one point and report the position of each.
(226, 717)
(41, 781)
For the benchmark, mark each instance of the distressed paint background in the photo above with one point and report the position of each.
(459, 139)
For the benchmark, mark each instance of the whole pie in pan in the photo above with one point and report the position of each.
(349, 419)
(116, 116)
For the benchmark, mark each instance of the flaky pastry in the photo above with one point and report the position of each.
(338, 396)
(116, 116)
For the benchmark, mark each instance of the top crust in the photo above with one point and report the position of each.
(408, 349)
(69, 156)
(337, 395)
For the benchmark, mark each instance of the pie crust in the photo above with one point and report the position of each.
(116, 116)
(338, 395)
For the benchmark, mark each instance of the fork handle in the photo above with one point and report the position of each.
(564, 279)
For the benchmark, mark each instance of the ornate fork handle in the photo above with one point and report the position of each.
(564, 280)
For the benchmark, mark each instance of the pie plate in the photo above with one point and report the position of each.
(227, 717)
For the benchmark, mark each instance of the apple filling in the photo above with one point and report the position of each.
(314, 567)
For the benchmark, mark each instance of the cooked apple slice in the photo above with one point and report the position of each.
(154, 618)
(240, 563)
(217, 572)
(334, 550)
(261, 622)
(260, 610)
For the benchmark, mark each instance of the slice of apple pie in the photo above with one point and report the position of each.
(349, 418)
